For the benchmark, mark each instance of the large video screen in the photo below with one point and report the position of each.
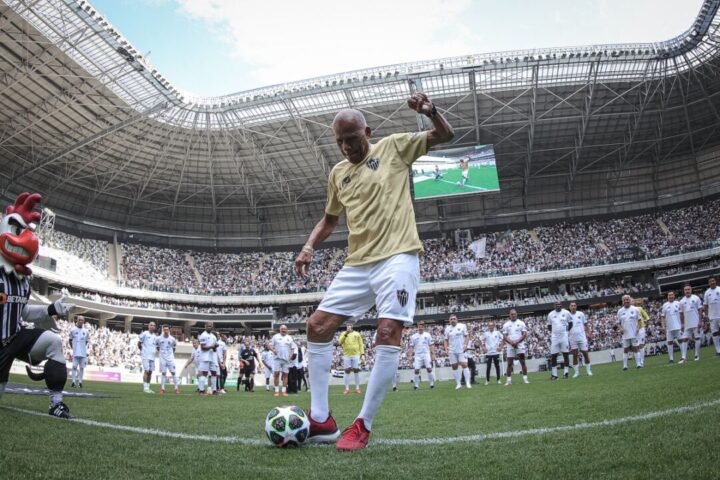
(456, 171)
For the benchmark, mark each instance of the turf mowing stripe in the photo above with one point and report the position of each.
(394, 441)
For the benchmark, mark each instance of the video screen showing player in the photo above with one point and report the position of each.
(456, 171)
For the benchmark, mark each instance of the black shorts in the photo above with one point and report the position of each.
(247, 371)
(19, 348)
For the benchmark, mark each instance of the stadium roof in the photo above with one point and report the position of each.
(91, 124)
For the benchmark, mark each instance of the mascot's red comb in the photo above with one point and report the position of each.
(24, 206)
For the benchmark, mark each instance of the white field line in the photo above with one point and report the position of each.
(393, 441)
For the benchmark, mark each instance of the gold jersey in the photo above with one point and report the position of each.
(375, 196)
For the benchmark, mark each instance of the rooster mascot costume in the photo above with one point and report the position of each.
(18, 340)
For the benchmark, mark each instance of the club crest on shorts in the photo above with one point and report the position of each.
(373, 164)
(402, 296)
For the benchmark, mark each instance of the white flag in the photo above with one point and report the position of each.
(478, 247)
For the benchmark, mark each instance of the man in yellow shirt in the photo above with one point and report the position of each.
(644, 318)
(372, 187)
(353, 348)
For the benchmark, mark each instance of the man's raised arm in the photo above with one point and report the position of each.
(441, 132)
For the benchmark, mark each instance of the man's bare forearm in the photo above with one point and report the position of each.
(441, 132)
(322, 230)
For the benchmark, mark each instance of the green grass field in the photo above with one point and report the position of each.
(480, 179)
(672, 444)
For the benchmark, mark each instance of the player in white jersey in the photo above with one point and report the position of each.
(492, 341)
(267, 357)
(166, 345)
(221, 354)
(579, 340)
(208, 357)
(194, 359)
(285, 350)
(422, 348)
(78, 342)
(514, 334)
(148, 348)
(670, 316)
(690, 320)
(628, 318)
(456, 345)
(711, 309)
(559, 322)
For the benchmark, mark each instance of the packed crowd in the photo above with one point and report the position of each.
(551, 247)
(106, 347)
(76, 257)
(168, 306)
(112, 348)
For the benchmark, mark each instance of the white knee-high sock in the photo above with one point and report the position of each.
(201, 383)
(697, 348)
(82, 374)
(642, 356)
(671, 351)
(319, 363)
(357, 379)
(625, 360)
(456, 374)
(716, 341)
(588, 367)
(175, 381)
(74, 375)
(387, 358)
(163, 379)
(683, 350)
(466, 374)
(417, 380)
(431, 377)
(346, 379)
(638, 360)
(394, 380)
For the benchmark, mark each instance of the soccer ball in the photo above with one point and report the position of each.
(287, 426)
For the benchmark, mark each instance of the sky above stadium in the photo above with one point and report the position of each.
(218, 47)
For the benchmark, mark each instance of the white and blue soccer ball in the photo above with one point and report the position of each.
(287, 426)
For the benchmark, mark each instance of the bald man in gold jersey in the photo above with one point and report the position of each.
(372, 187)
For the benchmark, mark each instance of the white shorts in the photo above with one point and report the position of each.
(513, 352)
(390, 285)
(148, 364)
(214, 366)
(205, 366)
(456, 358)
(630, 342)
(167, 366)
(715, 325)
(351, 362)
(671, 335)
(558, 345)
(641, 336)
(579, 343)
(422, 361)
(280, 365)
(691, 332)
(79, 362)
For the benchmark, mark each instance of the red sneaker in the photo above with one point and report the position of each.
(284, 394)
(325, 432)
(162, 391)
(346, 391)
(357, 391)
(276, 394)
(177, 390)
(355, 437)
